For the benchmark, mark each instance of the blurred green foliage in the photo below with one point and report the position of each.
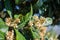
(25, 12)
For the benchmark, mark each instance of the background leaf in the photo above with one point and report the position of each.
(19, 1)
(8, 7)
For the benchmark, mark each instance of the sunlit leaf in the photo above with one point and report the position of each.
(3, 27)
(27, 17)
(19, 36)
(34, 33)
(16, 16)
(2, 36)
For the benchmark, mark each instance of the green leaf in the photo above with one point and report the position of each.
(48, 21)
(27, 17)
(8, 7)
(19, 36)
(2, 36)
(34, 33)
(16, 1)
(3, 27)
(38, 4)
(10, 13)
(16, 16)
(19, 1)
